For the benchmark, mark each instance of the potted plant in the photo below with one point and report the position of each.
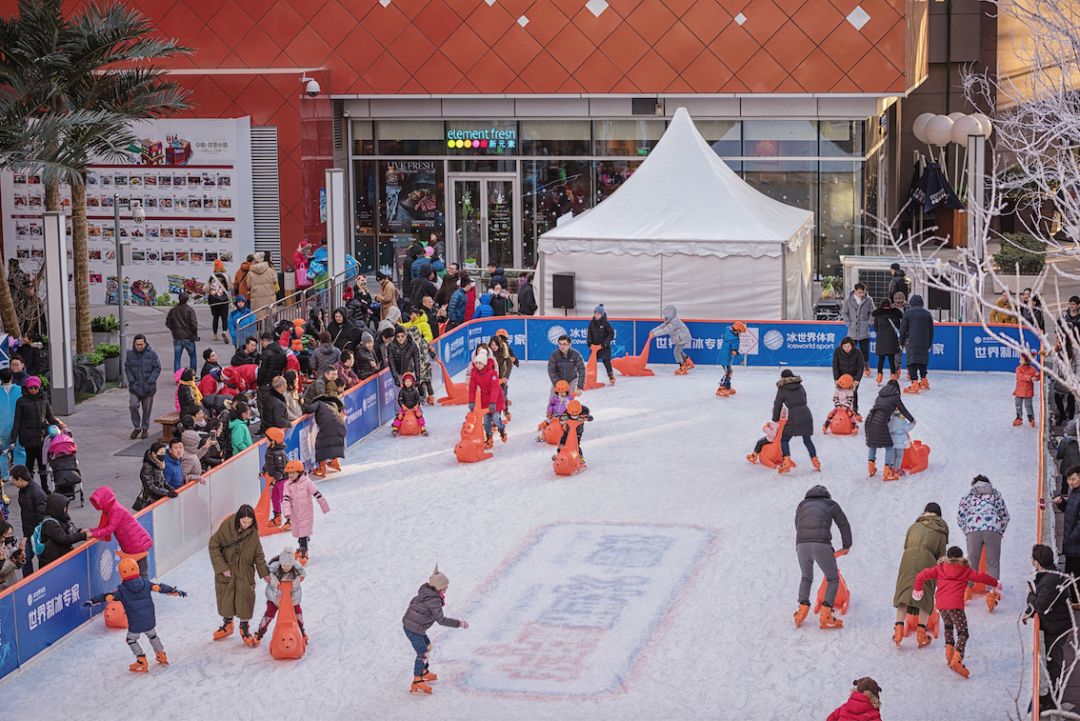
(105, 329)
(111, 353)
(830, 287)
(96, 361)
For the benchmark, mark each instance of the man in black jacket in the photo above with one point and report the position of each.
(403, 356)
(847, 359)
(274, 412)
(272, 362)
(247, 355)
(184, 326)
(422, 284)
(526, 296)
(449, 285)
(32, 500)
(602, 334)
(814, 518)
(142, 368)
(566, 364)
(1049, 599)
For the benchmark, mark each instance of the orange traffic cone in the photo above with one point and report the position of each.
(590, 370)
(770, 455)
(916, 457)
(842, 600)
(288, 641)
(471, 447)
(633, 365)
(568, 461)
(262, 510)
(457, 394)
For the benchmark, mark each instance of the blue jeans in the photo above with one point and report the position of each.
(493, 416)
(726, 381)
(421, 644)
(890, 456)
(785, 446)
(178, 348)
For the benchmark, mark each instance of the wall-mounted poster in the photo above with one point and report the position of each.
(193, 179)
(413, 193)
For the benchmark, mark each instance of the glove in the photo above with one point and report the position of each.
(472, 407)
(841, 552)
(88, 604)
(181, 594)
(288, 520)
(916, 595)
(173, 493)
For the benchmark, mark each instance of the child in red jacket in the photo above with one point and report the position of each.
(1026, 375)
(953, 573)
(485, 376)
(864, 704)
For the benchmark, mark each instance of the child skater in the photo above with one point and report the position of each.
(426, 609)
(899, 428)
(1026, 375)
(134, 594)
(274, 470)
(485, 376)
(953, 573)
(409, 399)
(282, 568)
(506, 361)
(770, 429)
(576, 412)
(843, 401)
(556, 407)
(680, 338)
(729, 354)
(297, 506)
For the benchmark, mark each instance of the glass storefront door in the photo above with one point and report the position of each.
(484, 223)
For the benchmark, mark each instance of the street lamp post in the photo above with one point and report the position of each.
(137, 215)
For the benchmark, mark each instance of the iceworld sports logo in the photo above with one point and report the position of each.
(773, 340)
(554, 332)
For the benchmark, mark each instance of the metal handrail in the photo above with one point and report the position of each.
(326, 295)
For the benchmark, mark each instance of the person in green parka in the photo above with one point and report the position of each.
(237, 555)
(239, 433)
(926, 541)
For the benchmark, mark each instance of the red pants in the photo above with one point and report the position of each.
(271, 611)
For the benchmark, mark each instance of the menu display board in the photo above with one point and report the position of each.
(193, 179)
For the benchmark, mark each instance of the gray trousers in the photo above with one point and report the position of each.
(680, 356)
(822, 555)
(1021, 404)
(136, 404)
(151, 636)
(991, 541)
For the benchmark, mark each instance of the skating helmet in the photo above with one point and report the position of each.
(54, 431)
(294, 467)
(738, 326)
(408, 376)
(562, 387)
(502, 333)
(845, 381)
(573, 407)
(128, 568)
(277, 435)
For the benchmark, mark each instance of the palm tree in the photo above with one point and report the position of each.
(98, 61)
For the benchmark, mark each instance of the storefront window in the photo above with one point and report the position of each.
(550, 190)
(410, 137)
(840, 212)
(366, 206)
(626, 137)
(411, 200)
(725, 136)
(841, 137)
(555, 137)
(481, 137)
(610, 174)
(363, 137)
(779, 138)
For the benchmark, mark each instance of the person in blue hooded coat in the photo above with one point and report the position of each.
(10, 392)
(133, 593)
(729, 355)
(241, 322)
(483, 308)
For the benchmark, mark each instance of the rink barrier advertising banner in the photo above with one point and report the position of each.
(42, 609)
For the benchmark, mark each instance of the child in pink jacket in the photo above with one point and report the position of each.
(769, 429)
(116, 520)
(298, 507)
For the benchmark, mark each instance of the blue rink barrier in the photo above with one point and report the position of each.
(42, 609)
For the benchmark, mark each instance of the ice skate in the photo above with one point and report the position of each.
(957, 664)
(224, 631)
(502, 435)
(898, 633)
(880, 378)
(857, 418)
(785, 465)
(429, 677)
(1031, 422)
(162, 659)
(992, 598)
(320, 471)
(611, 380)
(827, 620)
(506, 416)
(924, 384)
(681, 371)
(722, 392)
(276, 520)
(871, 469)
(335, 464)
(816, 464)
(731, 391)
(423, 431)
(431, 400)
(140, 665)
(1018, 422)
(489, 441)
(688, 364)
(418, 686)
(950, 651)
(866, 371)
(393, 431)
(922, 638)
(912, 389)
(801, 614)
(752, 457)
(246, 637)
(890, 474)
(301, 555)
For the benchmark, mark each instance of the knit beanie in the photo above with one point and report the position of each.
(955, 552)
(932, 508)
(286, 559)
(599, 309)
(366, 337)
(438, 580)
(786, 373)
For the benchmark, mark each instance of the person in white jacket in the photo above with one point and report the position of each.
(983, 518)
(680, 338)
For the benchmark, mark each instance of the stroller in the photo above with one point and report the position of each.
(60, 458)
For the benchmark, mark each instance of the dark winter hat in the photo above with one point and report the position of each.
(979, 479)
(932, 508)
(1043, 555)
(864, 684)
(955, 552)
(786, 373)
(599, 309)
(895, 266)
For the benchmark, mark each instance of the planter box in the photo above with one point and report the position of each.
(112, 369)
(952, 225)
(100, 338)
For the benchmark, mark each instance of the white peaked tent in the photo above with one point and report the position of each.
(685, 230)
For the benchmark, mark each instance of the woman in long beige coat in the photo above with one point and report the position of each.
(262, 279)
(236, 555)
(926, 542)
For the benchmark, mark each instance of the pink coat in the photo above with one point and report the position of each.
(115, 519)
(297, 505)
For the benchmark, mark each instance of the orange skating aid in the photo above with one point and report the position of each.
(841, 423)
(980, 587)
(916, 457)
(590, 370)
(552, 431)
(568, 461)
(457, 394)
(842, 600)
(262, 510)
(410, 424)
(288, 641)
(470, 449)
(633, 365)
(115, 616)
(771, 456)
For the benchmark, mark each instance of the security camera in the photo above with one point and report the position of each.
(138, 214)
(311, 86)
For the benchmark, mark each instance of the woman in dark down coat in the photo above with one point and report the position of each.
(59, 537)
(877, 420)
(800, 421)
(330, 438)
(887, 322)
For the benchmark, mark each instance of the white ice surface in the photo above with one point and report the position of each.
(662, 451)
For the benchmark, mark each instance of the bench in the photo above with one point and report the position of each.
(168, 422)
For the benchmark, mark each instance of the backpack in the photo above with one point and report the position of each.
(35, 540)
